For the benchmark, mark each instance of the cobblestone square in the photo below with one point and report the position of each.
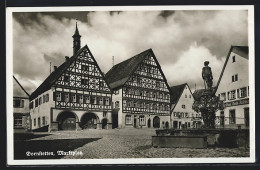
(128, 143)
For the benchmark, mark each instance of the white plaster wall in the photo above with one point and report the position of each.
(239, 67)
(42, 110)
(188, 102)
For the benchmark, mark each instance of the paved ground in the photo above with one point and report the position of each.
(123, 143)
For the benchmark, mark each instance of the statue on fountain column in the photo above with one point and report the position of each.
(207, 76)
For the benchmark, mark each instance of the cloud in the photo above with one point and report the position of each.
(189, 66)
(41, 38)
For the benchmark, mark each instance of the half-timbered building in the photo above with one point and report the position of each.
(141, 94)
(74, 96)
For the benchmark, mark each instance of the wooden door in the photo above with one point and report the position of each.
(69, 124)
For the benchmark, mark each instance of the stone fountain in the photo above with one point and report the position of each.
(206, 103)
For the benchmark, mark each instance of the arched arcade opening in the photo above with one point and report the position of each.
(67, 121)
(156, 122)
(89, 121)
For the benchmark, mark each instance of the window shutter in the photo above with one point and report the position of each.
(21, 103)
(77, 98)
(104, 101)
(92, 99)
(54, 96)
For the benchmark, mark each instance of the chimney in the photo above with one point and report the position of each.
(55, 68)
(67, 58)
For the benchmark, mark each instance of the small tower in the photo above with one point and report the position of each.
(76, 40)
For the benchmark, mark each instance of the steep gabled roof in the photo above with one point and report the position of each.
(241, 51)
(176, 92)
(118, 75)
(52, 78)
(18, 90)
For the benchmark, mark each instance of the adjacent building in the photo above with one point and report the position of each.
(141, 94)
(233, 89)
(182, 115)
(21, 113)
(74, 96)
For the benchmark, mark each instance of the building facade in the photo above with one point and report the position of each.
(233, 89)
(74, 96)
(182, 114)
(141, 94)
(21, 113)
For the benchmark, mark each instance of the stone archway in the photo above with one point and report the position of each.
(89, 121)
(156, 122)
(67, 120)
(104, 123)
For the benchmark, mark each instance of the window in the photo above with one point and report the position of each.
(186, 114)
(93, 100)
(66, 78)
(84, 67)
(232, 95)
(243, 92)
(157, 84)
(66, 97)
(34, 122)
(142, 120)
(234, 78)
(124, 103)
(47, 98)
(18, 103)
(223, 96)
(107, 101)
(84, 81)
(232, 117)
(185, 95)
(18, 122)
(183, 106)
(101, 84)
(116, 92)
(189, 96)
(87, 98)
(43, 120)
(39, 122)
(233, 59)
(80, 98)
(40, 100)
(100, 100)
(43, 99)
(117, 104)
(128, 119)
(58, 96)
(36, 102)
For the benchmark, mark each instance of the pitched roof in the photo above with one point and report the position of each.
(18, 90)
(119, 74)
(241, 51)
(50, 80)
(176, 92)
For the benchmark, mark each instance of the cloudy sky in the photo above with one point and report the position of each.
(181, 40)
